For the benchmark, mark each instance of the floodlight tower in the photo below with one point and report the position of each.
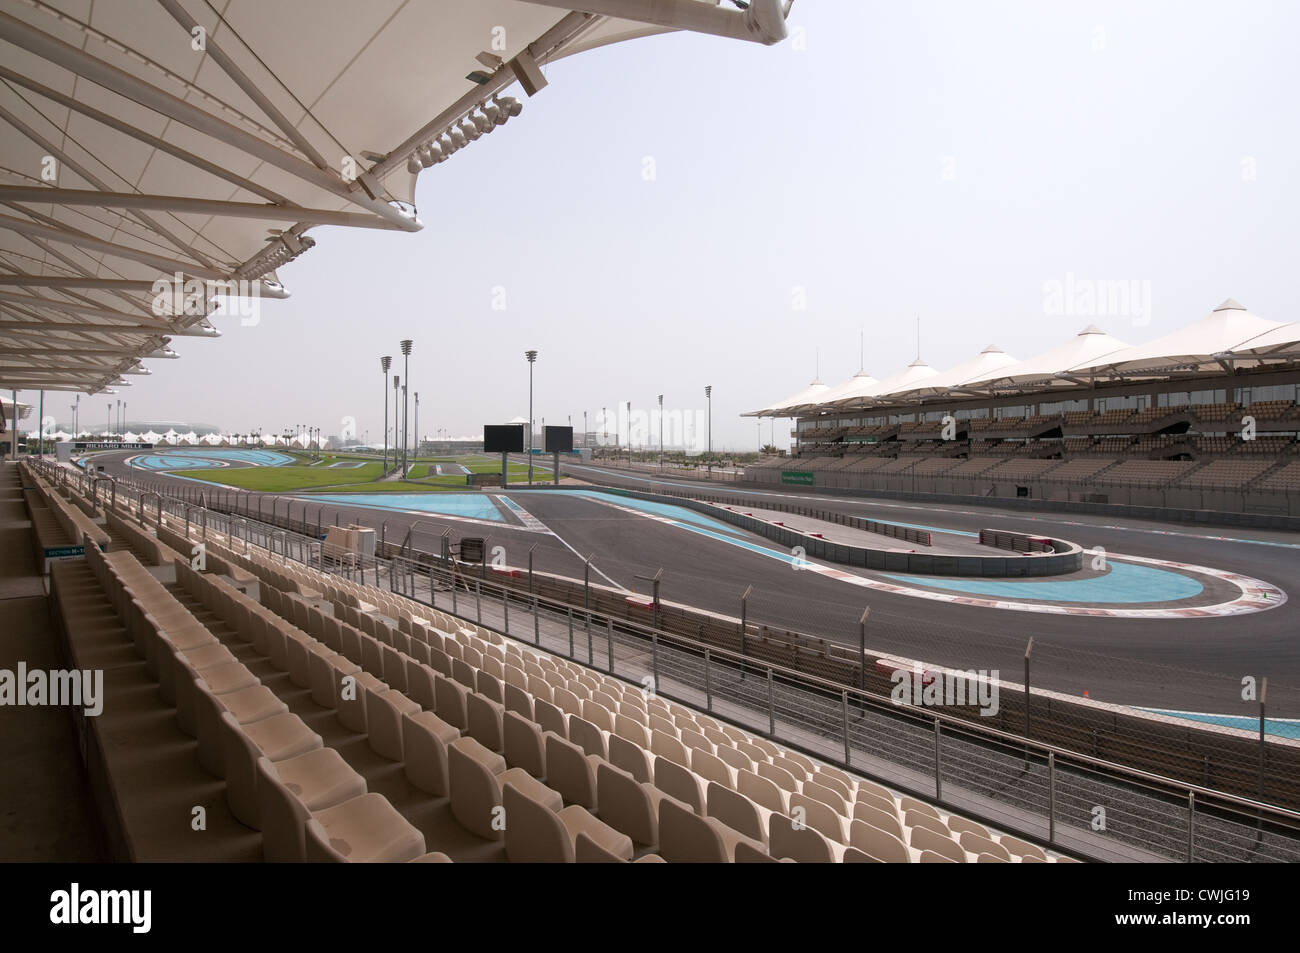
(397, 390)
(661, 430)
(708, 395)
(532, 359)
(385, 363)
(417, 425)
(406, 371)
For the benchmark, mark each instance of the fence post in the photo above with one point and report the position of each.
(938, 764)
(505, 609)
(862, 649)
(771, 704)
(1028, 651)
(654, 658)
(1191, 826)
(844, 714)
(570, 631)
(478, 600)
(1263, 692)
(609, 639)
(744, 626)
(708, 688)
(1051, 797)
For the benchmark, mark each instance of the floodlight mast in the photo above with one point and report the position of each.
(532, 359)
(385, 362)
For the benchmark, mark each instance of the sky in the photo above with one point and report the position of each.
(683, 210)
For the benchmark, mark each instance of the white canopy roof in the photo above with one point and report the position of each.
(1193, 348)
(132, 157)
(988, 361)
(908, 378)
(1052, 367)
(1283, 343)
(857, 385)
(809, 395)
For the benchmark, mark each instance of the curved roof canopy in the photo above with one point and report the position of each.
(784, 408)
(161, 155)
(1054, 367)
(908, 378)
(988, 361)
(1281, 343)
(1197, 347)
(860, 383)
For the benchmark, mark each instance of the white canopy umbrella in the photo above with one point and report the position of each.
(150, 436)
(130, 437)
(1198, 347)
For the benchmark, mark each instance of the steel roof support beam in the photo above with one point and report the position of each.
(71, 307)
(72, 236)
(263, 289)
(251, 89)
(162, 145)
(179, 203)
(147, 221)
(124, 84)
(763, 22)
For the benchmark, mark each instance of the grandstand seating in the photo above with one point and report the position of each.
(587, 767)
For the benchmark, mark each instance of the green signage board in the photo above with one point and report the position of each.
(797, 477)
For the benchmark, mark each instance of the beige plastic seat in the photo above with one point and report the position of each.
(550, 717)
(746, 854)
(632, 730)
(463, 673)
(913, 819)
(484, 718)
(420, 686)
(667, 746)
(571, 772)
(885, 821)
(906, 804)
(960, 825)
(828, 796)
(452, 707)
(518, 700)
(821, 817)
(476, 778)
(365, 829)
(351, 707)
(974, 844)
(735, 758)
(220, 679)
(291, 789)
(934, 857)
(588, 736)
(523, 744)
(712, 768)
(246, 705)
(686, 837)
(778, 776)
(425, 738)
(199, 658)
(762, 791)
(384, 712)
(394, 668)
(277, 738)
(681, 783)
(490, 686)
(801, 844)
(632, 758)
(883, 845)
(587, 851)
(537, 834)
(628, 805)
(870, 798)
(753, 752)
(1022, 849)
(737, 812)
(924, 839)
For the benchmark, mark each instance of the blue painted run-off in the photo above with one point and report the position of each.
(1124, 583)
(467, 505)
(1282, 727)
(208, 459)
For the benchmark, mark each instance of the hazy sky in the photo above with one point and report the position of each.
(940, 160)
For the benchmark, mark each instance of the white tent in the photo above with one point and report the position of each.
(212, 439)
(150, 436)
(988, 361)
(1055, 366)
(1198, 347)
(191, 438)
(130, 437)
